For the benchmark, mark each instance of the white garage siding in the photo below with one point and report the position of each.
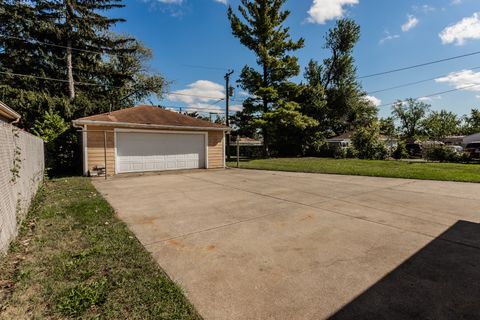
(144, 151)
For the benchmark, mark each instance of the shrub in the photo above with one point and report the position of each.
(401, 151)
(326, 150)
(465, 158)
(442, 154)
(351, 153)
(366, 141)
(340, 153)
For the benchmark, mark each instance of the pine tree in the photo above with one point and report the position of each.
(69, 40)
(80, 27)
(271, 107)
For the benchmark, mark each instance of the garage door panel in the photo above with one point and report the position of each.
(137, 152)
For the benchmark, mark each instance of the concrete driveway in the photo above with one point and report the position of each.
(272, 245)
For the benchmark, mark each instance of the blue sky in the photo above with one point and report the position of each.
(187, 34)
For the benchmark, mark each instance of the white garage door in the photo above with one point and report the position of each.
(139, 151)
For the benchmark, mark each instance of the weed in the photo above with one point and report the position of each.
(75, 301)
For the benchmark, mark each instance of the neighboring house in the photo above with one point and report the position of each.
(345, 140)
(7, 114)
(453, 140)
(147, 138)
(342, 141)
(471, 138)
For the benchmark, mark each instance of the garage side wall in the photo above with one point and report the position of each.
(95, 149)
(215, 150)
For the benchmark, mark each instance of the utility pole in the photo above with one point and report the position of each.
(228, 93)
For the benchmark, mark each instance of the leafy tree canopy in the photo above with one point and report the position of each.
(440, 124)
(411, 114)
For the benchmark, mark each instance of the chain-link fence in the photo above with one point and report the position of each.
(21, 171)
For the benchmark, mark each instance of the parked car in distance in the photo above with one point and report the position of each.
(456, 149)
(414, 149)
(473, 149)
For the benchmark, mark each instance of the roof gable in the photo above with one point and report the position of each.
(150, 115)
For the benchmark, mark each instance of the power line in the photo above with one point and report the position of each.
(419, 65)
(203, 67)
(52, 79)
(413, 83)
(434, 94)
(102, 85)
(191, 95)
(33, 41)
(198, 109)
(221, 99)
(50, 44)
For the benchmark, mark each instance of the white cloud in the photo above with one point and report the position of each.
(199, 95)
(410, 24)
(171, 1)
(222, 1)
(456, 2)
(462, 79)
(388, 37)
(467, 28)
(323, 10)
(430, 99)
(477, 96)
(374, 100)
(426, 8)
(236, 108)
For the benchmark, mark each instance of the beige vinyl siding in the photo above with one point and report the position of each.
(95, 148)
(215, 150)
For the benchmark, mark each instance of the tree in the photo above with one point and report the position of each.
(314, 104)
(367, 143)
(440, 124)
(50, 127)
(411, 114)
(53, 42)
(387, 126)
(271, 94)
(44, 38)
(472, 122)
(336, 81)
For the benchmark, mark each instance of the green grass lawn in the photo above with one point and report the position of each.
(392, 169)
(75, 259)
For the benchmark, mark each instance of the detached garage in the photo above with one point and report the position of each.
(147, 138)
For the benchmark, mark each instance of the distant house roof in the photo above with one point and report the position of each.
(346, 136)
(149, 116)
(471, 138)
(7, 113)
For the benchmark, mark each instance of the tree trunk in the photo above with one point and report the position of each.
(68, 18)
(71, 83)
(266, 151)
